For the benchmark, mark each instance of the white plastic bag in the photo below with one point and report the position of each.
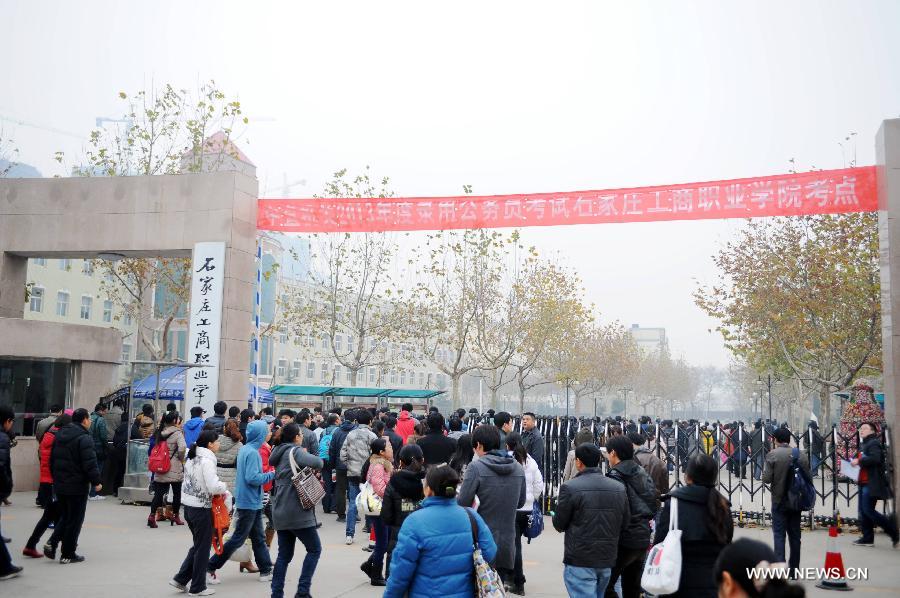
(368, 503)
(662, 571)
(244, 552)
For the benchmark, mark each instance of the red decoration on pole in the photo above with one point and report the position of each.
(821, 192)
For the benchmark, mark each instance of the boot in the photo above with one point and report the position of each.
(160, 514)
(270, 533)
(151, 522)
(175, 520)
(249, 567)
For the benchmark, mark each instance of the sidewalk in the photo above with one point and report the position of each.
(125, 558)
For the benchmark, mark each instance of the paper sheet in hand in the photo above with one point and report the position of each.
(850, 470)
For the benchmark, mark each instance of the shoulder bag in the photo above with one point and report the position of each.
(309, 490)
(662, 570)
(487, 580)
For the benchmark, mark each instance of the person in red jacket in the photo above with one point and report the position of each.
(406, 423)
(51, 507)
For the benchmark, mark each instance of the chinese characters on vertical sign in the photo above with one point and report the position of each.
(820, 192)
(205, 327)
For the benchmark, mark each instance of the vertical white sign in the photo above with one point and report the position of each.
(205, 325)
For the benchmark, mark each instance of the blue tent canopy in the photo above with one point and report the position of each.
(171, 387)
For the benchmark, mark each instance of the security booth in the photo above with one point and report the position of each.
(329, 397)
(296, 397)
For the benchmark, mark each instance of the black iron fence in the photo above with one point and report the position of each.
(740, 453)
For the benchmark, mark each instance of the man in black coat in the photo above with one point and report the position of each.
(642, 505)
(593, 512)
(73, 464)
(436, 447)
(532, 439)
(873, 486)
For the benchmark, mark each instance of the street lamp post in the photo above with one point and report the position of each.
(567, 399)
(625, 402)
(768, 383)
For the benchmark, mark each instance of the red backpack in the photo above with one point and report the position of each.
(159, 461)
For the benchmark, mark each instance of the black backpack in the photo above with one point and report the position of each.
(801, 494)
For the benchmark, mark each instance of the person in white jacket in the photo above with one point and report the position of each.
(201, 483)
(534, 488)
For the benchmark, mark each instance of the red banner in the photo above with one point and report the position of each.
(822, 192)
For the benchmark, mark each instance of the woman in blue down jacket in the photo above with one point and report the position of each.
(433, 555)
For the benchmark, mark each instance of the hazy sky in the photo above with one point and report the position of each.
(506, 96)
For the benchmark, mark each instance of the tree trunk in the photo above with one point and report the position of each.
(825, 403)
(454, 392)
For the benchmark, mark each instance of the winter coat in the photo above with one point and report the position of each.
(406, 425)
(380, 470)
(338, 438)
(6, 477)
(310, 441)
(250, 476)
(357, 449)
(534, 444)
(46, 449)
(699, 547)
(217, 422)
(264, 451)
(73, 462)
(120, 442)
(287, 514)
(433, 555)
(778, 466)
(570, 471)
(142, 427)
(499, 483)
(871, 460)
(642, 502)
(593, 512)
(201, 482)
(226, 459)
(99, 434)
(403, 495)
(396, 442)
(655, 468)
(177, 452)
(113, 419)
(42, 426)
(192, 429)
(534, 484)
(436, 447)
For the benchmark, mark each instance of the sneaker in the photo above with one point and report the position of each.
(98, 497)
(13, 572)
(212, 579)
(862, 542)
(203, 592)
(263, 577)
(178, 586)
(349, 540)
(31, 552)
(342, 519)
(75, 558)
(50, 551)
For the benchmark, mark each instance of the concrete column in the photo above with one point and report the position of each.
(13, 269)
(888, 160)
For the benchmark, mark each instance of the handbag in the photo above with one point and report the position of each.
(662, 570)
(221, 520)
(487, 580)
(535, 522)
(309, 490)
(368, 502)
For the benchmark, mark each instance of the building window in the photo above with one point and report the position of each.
(371, 375)
(126, 352)
(336, 375)
(65, 265)
(324, 342)
(87, 268)
(324, 372)
(295, 369)
(393, 376)
(349, 376)
(127, 319)
(361, 376)
(421, 379)
(39, 261)
(309, 341)
(282, 366)
(337, 342)
(107, 311)
(310, 370)
(403, 377)
(86, 303)
(349, 344)
(282, 335)
(62, 304)
(36, 302)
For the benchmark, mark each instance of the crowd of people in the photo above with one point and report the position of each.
(429, 490)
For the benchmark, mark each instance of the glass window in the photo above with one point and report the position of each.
(349, 343)
(87, 268)
(107, 311)
(349, 376)
(36, 303)
(403, 377)
(393, 376)
(361, 376)
(127, 319)
(372, 375)
(282, 335)
(337, 342)
(126, 352)
(30, 387)
(295, 369)
(421, 379)
(65, 265)
(336, 374)
(324, 342)
(282, 367)
(86, 303)
(39, 261)
(62, 303)
(324, 372)
(310, 370)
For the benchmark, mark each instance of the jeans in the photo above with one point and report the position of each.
(629, 567)
(160, 489)
(71, 518)
(759, 461)
(585, 582)
(328, 499)
(381, 542)
(50, 515)
(815, 461)
(869, 517)
(5, 559)
(286, 540)
(193, 569)
(784, 521)
(340, 493)
(249, 525)
(352, 491)
(100, 460)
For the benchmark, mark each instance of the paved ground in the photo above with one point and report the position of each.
(125, 558)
